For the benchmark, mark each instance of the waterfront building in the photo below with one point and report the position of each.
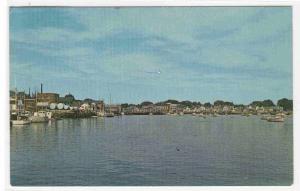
(16, 100)
(202, 108)
(100, 106)
(93, 106)
(43, 100)
(131, 110)
(85, 107)
(163, 109)
(13, 104)
(48, 97)
(147, 109)
(30, 104)
(172, 108)
(113, 108)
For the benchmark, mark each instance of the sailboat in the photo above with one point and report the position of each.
(110, 114)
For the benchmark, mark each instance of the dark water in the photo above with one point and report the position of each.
(153, 150)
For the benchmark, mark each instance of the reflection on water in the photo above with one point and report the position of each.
(153, 150)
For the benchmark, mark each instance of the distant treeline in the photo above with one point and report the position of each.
(286, 104)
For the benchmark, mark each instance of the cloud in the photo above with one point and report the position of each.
(217, 48)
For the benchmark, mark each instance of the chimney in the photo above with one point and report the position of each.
(41, 88)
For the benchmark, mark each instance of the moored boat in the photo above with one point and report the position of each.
(110, 114)
(265, 117)
(100, 114)
(202, 115)
(215, 115)
(39, 117)
(276, 119)
(20, 121)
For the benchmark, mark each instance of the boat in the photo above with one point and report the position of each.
(194, 114)
(246, 114)
(281, 115)
(109, 114)
(20, 121)
(100, 114)
(39, 117)
(265, 117)
(276, 119)
(202, 115)
(181, 113)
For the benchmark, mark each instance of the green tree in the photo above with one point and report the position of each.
(124, 105)
(172, 101)
(257, 103)
(268, 103)
(207, 104)
(228, 103)
(219, 103)
(286, 104)
(145, 103)
(186, 103)
(240, 105)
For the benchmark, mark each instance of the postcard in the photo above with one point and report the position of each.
(151, 96)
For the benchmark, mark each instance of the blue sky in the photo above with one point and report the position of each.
(237, 54)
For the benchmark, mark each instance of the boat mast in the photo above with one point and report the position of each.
(16, 101)
(109, 102)
(35, 101)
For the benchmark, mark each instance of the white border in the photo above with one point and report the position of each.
(4, 128)
(121, 3)
(4, 80)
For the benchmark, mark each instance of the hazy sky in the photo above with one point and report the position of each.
(237, 54)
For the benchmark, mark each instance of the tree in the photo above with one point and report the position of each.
(124, 105)
(256, 103)
(145, 103)
(186, 103)
(268, 103)
(69, 98)
(88, 100)
(265, 103)
(228, 103)
(219, 103)
(286, 104)
(223, 103)
(207, 104)
(196, 103)
(172, 101)
(240, 105)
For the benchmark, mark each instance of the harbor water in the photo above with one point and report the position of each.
(152, 150)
